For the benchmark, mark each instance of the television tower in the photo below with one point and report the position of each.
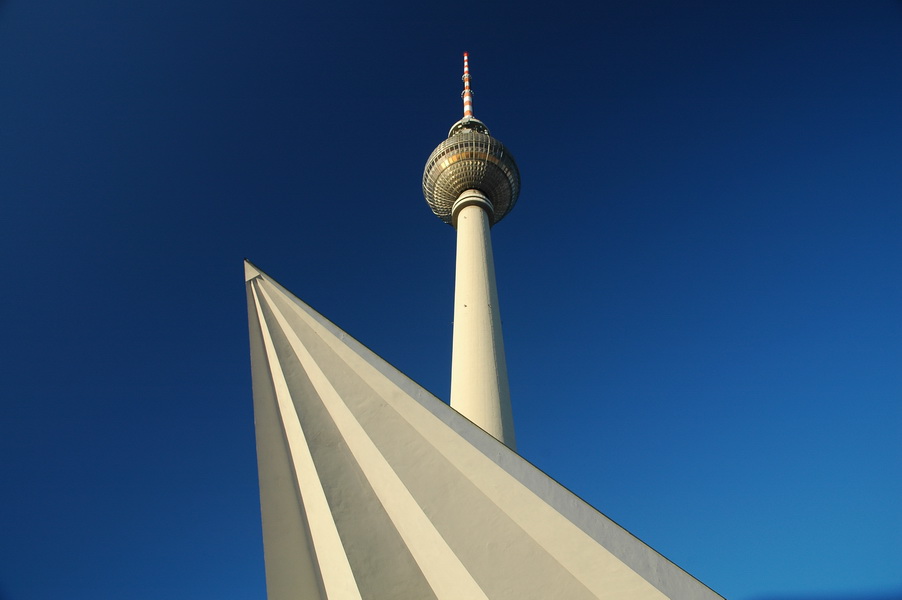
(371, 487)
(471, 182)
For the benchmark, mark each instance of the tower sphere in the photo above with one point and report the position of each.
(470, 159)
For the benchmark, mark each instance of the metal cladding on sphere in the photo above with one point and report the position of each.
(470, 159)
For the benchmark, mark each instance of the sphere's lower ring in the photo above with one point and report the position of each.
(471, 198)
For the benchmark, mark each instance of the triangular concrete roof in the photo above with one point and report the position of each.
(373, 488)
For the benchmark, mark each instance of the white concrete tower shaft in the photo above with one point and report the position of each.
(479, 385)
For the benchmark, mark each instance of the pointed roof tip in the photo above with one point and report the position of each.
(250, 271)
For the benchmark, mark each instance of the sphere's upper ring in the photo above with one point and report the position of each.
(470, 160)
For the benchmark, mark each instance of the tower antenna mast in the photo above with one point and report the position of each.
(467, 94)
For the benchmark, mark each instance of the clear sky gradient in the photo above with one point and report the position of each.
(700, 285)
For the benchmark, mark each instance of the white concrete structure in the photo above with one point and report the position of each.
(479, 386)
(471, 181)
(372, 488)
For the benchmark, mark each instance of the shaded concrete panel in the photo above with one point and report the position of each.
(440, 566)
(381, 562)
(501, 555)
(291, 570)
(502, 558)
(505, 561)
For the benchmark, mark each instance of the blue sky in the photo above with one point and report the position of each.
(699, 285)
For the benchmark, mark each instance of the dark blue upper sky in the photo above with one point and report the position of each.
(700, 284)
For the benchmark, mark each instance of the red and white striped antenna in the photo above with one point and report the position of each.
(467, 93)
